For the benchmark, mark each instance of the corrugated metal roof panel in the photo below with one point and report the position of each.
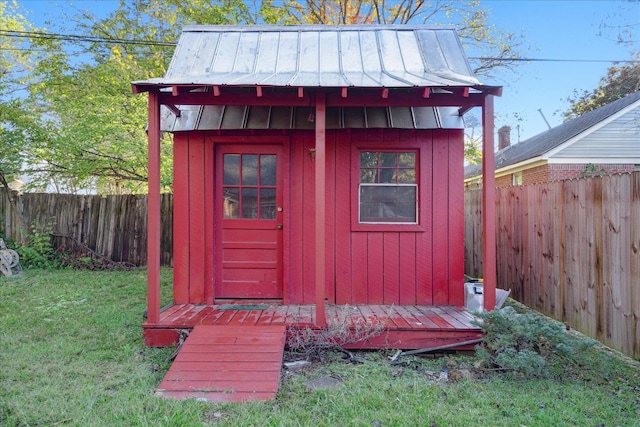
(319, 56)
(215, 117)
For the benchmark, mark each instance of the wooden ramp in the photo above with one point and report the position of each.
(227, 364)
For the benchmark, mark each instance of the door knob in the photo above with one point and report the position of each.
(279, 226)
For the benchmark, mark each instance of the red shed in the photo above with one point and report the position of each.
(317, 167)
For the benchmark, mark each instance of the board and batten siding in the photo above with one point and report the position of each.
(619, 139)
(375, 265)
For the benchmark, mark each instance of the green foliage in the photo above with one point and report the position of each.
(16, 126)
(591, 169)
(38, 251)
(523, 343)
(472, 140)
(620, 81)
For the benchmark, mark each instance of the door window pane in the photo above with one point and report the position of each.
(268, 169)
(249, 169)
(231, 206)
(268, 203)
(249, 203)
(231, 169)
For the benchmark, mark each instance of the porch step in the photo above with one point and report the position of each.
(227, 364)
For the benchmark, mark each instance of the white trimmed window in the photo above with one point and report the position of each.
(516, 178)
(388, 190)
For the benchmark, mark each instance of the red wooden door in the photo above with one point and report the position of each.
(249, 208)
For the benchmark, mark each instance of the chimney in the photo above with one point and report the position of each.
(504, 137)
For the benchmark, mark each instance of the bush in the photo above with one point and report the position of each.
(38, 252)
(523, 343)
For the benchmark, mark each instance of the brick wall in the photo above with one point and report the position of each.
(503, 181)
(560, 172)
(536, 175)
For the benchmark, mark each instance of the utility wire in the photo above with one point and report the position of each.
(76, 38)
(92, 39)
(484, 58)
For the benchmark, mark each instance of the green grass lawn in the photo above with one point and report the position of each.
(71, 354)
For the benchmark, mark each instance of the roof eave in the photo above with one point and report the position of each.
(463, 97)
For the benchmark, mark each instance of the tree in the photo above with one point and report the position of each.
(496, 49)
(18, 132)
(97, 125)
(14, 68)
(96, 128)
(472, 141)
(619, 82)
(622, 79)
(99, 137)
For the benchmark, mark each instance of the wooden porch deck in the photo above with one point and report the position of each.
(405, 327)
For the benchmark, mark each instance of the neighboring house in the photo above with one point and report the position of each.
(606, 140)
(314, 165)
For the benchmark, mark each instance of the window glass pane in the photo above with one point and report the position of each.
(406, 212)
(406, 194)
(388, 203)
(231, 169)
(368, 159)
(268, 169)
(368, 175)
(406, 203)
(249, 203)
(406, 176)
(406, 160)
(387, 159)
(387, 176)
(249, 169)
(268, 203)
(384, 195)
(230, 203)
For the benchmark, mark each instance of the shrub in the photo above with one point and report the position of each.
(38, 252)
(523, 343)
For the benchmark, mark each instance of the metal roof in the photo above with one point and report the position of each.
(546, 141)
(215, 117)
(319, 56)
(354, 57)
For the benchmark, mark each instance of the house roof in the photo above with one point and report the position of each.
(319, 56)
(264, 77)
(545, 142)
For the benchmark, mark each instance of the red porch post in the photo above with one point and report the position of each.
(488, 205)
(321, 165)
(153, 210)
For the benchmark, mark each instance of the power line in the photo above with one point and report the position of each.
(76, 38)
(484, 58)
(94, 39)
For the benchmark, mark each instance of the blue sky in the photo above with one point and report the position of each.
(554, 29)
(557, 30)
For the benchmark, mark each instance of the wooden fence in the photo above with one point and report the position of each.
(571, 250)
(112, 226)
